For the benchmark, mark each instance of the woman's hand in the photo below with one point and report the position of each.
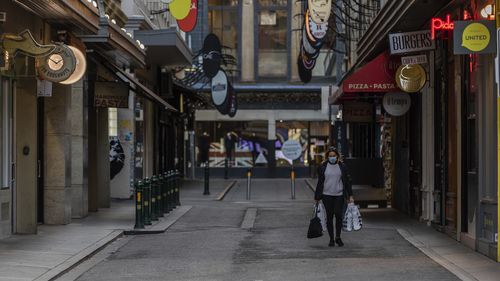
(351, 199)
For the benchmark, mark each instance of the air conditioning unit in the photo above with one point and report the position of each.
(3, 16)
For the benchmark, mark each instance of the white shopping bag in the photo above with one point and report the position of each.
(357, 222)
(348, 218)
(322, 215)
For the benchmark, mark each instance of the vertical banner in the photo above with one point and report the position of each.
(340, 137)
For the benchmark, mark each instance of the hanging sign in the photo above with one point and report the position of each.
(58, 66)
(409, 42)
(411, 78)
(179, 9)
(396, 104)
(320, 10)
(474, 37)
(80, 68)
(24, 43)
(111, 94)
(292, 149)
(420, 59)
(188, 24)
(211, 55)
(219, 88)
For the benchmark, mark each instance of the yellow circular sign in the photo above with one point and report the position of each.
(179, 9)
(411, 78)
(476, 37)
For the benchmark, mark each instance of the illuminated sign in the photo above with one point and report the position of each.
(439, 24)
(411, 42)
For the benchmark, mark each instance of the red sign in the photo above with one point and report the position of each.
(439, 24)
(376, 76)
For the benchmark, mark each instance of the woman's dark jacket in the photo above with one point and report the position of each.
(346, 181)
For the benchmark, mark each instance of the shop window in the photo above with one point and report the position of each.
(223, 22)
(272, 38)
(113, 122)
(293, 130)
(361, 140)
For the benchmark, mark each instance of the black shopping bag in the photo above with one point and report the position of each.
(315, 228)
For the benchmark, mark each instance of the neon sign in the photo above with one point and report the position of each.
(439, 24)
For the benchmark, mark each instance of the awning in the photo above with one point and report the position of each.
(165, 47)
(139, 88)
(377, 76)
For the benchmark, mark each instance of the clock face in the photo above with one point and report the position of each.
(55, 62)
(58, 66)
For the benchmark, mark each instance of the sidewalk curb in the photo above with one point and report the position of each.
(80, 257)
(226, 191)
(163, 223)
(310, 185)
(450, 266)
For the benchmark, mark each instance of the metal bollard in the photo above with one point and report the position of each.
(206, 190)
(139, 201)
(249, 179)
(157, 186)
(166, 175)
(154, 215)
(162, 194)
(292, 177)
(171, 204)
(177, 188)
(147, 201)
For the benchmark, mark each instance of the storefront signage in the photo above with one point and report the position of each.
(411, 42)
(111, 94)
(211, 55)
(292, 149)
(411, 78)
(187, 24)
(219, 88)
(474, 37)
(420, 59)
(396, 104)
(357, 112)
(440, 24)
(58, 66)
(80, 67)
(340, 137)
(24, 43)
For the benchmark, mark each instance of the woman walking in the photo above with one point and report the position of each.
(334, 188)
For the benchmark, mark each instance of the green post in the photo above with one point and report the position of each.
(177, 188)
(159, 202)
(154, 214)
(147, 201)
(161, 183)
(171, 204)
(139, 203)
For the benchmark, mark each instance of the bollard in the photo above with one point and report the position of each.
(249, 178)
(226, 168)
(206, 191)
(154, 214)
(162, 194)
(139, 198)
(157, 186)
(171, 205)
(177, 188)
(167, 190)
(147, 201)
(292, 177)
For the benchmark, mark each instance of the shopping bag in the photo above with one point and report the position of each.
(357, 222)
(347, 223)
(322, 215)
(315, 229)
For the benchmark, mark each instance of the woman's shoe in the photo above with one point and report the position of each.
(332, 243)
(339, 242)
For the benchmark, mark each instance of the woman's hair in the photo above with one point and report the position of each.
(333, 149)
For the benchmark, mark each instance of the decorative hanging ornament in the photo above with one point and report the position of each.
(320, 10)
(211, 55)
(189, 23)
(179, 9)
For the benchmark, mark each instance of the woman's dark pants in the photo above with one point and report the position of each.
(334, 206)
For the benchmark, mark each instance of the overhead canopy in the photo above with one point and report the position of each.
(377, 76)
(139, 87)
(165, 47)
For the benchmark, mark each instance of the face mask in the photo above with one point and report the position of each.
(332, 160)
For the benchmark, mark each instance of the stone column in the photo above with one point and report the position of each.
(247, 42)
(296, 23)
(79, 151)
(57, 156)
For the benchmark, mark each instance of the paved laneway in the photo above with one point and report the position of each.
(208, 243)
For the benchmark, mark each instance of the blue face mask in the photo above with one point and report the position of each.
(332, 159)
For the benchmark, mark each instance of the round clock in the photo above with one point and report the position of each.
(57, 66)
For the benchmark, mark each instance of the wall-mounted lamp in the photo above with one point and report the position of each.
(488, 12)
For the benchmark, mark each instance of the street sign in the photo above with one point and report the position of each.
(292, 149)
